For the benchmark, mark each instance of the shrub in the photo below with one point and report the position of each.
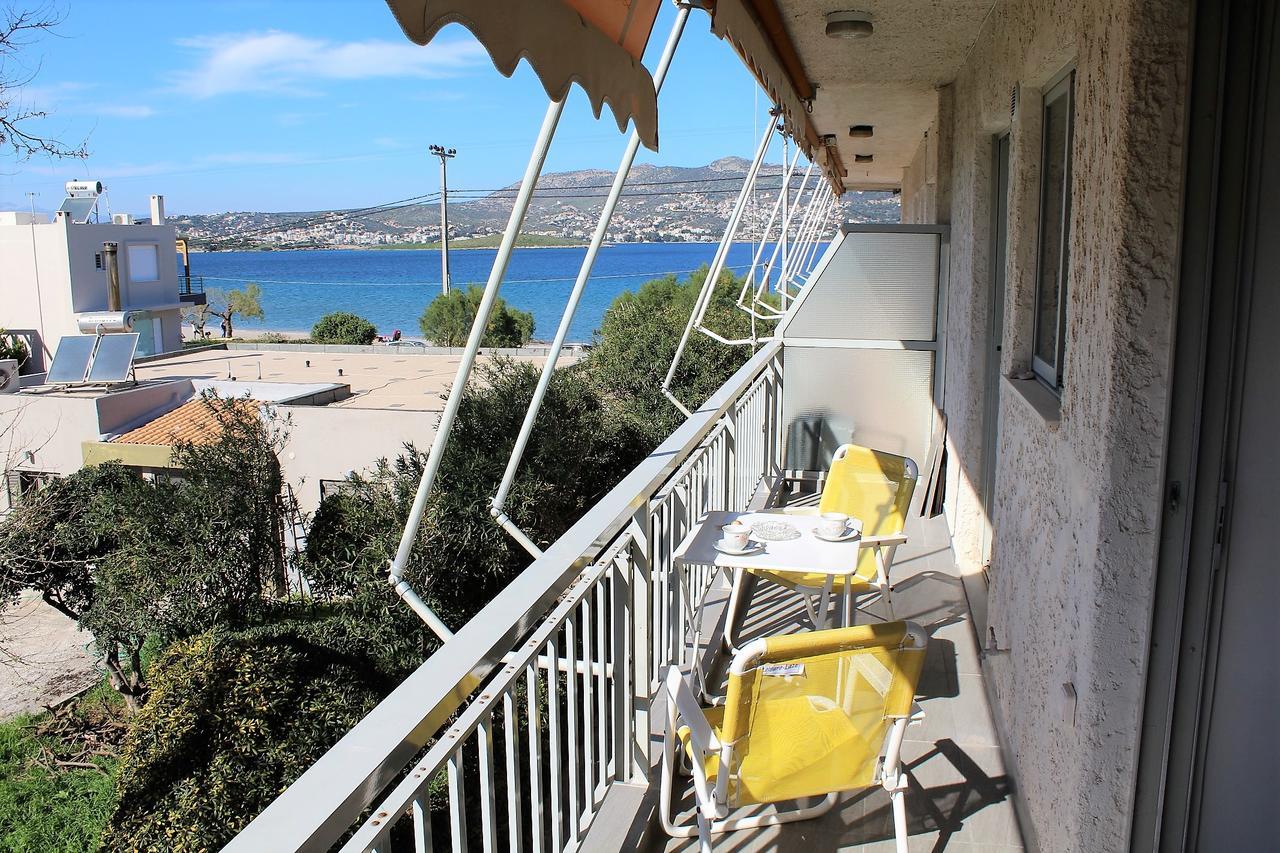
(637, 340)
(342, 327)
(233, 719)
(447, 320)
(577, 452)
(11, 346)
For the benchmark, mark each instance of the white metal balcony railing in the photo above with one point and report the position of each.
(509, 750)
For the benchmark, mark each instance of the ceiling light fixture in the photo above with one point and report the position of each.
(861, 131)
(849, 25)
(863, 158)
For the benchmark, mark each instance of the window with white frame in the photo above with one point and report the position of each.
(1053, 254)
(144, 262)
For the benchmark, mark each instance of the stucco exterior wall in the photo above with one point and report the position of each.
(1077, 484)
(69, 281)
(327, 443)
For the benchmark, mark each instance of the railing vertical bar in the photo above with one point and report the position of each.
(553, 750)
(457, 803)
(641, 683)
(422, 821)
(535, 757)
(602, 687)
(588, 705)
(488, 821)
(622, 670)
(511, 745)
(573, 733)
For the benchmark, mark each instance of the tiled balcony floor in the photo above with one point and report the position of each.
(959, 799)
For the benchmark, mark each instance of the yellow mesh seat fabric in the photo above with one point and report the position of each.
(872, 486)
(821, 736)
(810, 719)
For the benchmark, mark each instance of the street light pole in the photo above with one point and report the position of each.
(445, 155)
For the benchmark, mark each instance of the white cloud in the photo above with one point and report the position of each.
(71, 98)
(124, 110)
(280, 62)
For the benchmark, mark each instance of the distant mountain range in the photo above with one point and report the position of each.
(660, 204)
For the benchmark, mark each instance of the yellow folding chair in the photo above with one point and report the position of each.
(874, 487)
(806, 715)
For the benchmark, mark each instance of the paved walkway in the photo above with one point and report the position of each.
(44, 659)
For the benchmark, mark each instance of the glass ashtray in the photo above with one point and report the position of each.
(775, 531)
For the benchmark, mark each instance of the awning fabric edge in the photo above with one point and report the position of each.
(559, 45)
(733, 21)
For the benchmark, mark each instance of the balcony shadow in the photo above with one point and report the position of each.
(946, 808)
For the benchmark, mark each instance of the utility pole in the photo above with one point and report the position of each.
(445, 155)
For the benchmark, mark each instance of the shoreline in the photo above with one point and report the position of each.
(452, 248)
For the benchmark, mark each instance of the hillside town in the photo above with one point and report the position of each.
(661, 205)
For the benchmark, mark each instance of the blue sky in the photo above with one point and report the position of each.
(310, 104)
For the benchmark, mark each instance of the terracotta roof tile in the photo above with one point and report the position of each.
(193, 422)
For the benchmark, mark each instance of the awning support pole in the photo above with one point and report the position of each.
(773, 258)
(748, 282)
(802, 236)
(794, 277)
(824, 222)
(498, 504)
(717, 266)
(808, 227)
(450, 413)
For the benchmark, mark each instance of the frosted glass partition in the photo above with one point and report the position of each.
(878, 285)
(863, 348)
(876, 398)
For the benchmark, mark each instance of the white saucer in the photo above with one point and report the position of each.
(850, 533)
(752, 548)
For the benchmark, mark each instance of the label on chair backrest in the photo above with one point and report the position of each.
(783, 669)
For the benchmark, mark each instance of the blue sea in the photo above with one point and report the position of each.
(390, 287)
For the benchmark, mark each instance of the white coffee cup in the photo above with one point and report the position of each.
(736, 536)
(833, 525)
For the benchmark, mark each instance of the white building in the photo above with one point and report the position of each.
(52, 272)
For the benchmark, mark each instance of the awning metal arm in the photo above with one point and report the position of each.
(450, 413)
(717, 266)
(498, 505)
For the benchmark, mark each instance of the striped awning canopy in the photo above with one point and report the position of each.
(596, 43)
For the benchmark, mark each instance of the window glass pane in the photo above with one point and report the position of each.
(1052, 220)
(143, 263)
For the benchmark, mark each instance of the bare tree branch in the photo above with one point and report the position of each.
(18, 29)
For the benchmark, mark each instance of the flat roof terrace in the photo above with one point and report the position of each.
(400, 380)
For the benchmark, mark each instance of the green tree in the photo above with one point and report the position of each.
(342, 327)
(130, 559)
(637, 340)
(447, 320)
(227, 304)
(64, 542)
(577, 452)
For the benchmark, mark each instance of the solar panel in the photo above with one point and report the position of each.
(71, 360)
(114, 358)
(79, 209)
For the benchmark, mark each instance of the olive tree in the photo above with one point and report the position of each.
(227, 304)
